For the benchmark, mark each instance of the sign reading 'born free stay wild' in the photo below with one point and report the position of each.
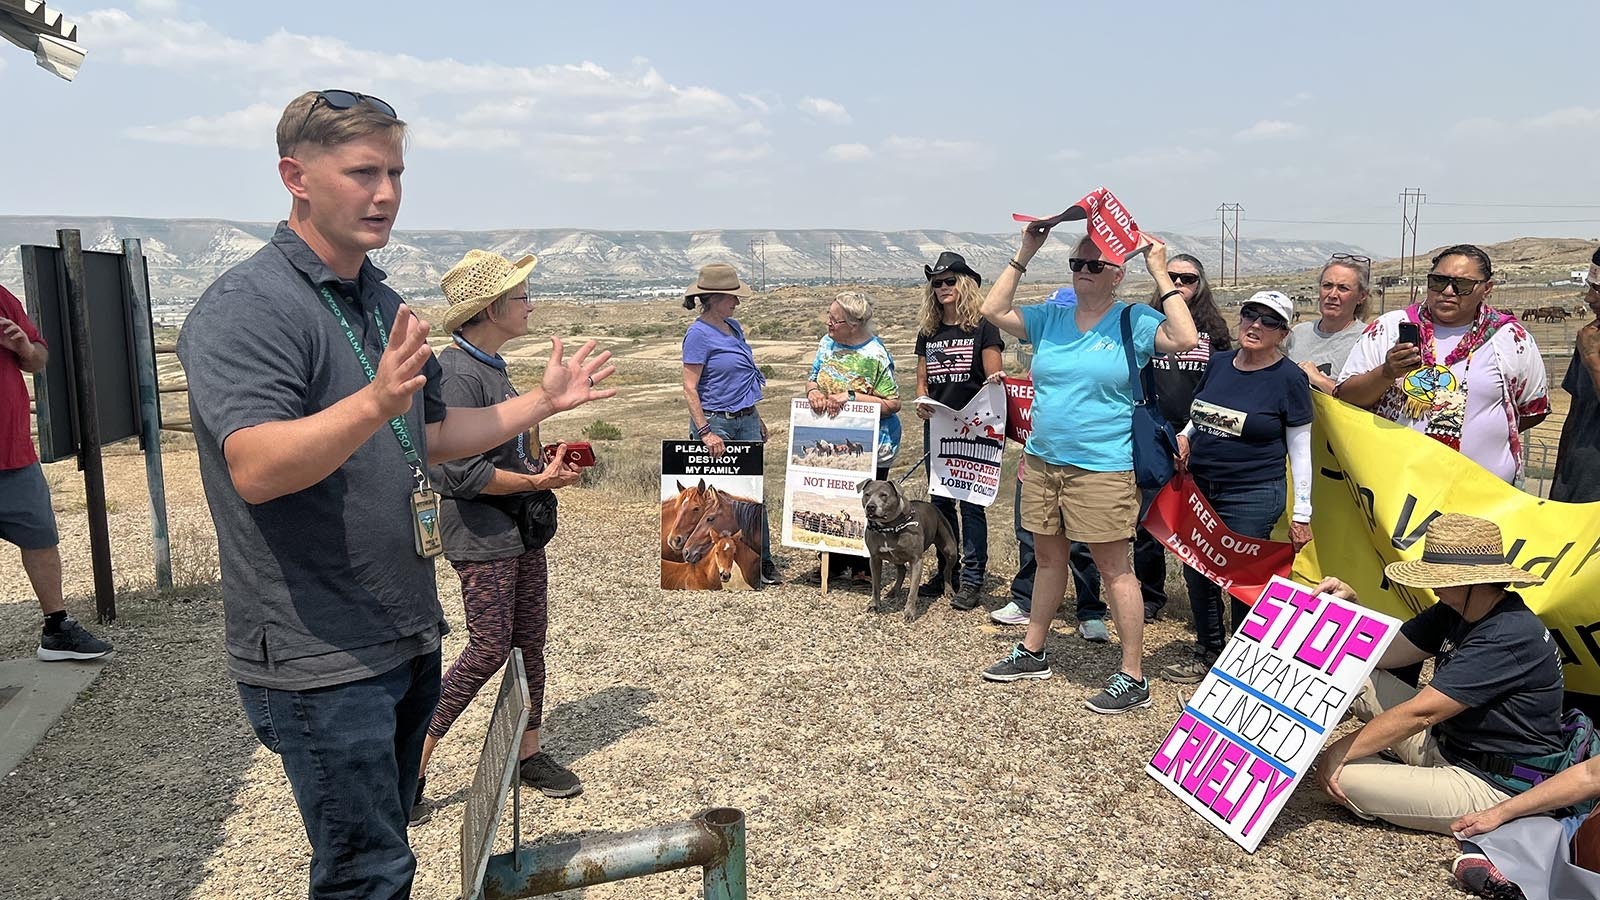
(1259, 719)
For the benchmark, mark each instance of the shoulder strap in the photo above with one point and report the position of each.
(1134, 375)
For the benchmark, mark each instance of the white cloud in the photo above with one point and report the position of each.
(252, 127)
(934, 150)
(1270, 130)
(1299, 98)
(847, 153)
(825, 110)
(1570, 117)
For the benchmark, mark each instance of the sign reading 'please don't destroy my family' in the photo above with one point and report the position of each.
(1257, 722)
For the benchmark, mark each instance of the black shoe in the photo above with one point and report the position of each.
(421, 809)
(1152, 612)
(769, 574)
(550, 777)
(73, 641)
(933, 588)
(967, 598)
(1020, 664)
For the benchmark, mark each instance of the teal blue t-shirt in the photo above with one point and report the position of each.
(1083, 398)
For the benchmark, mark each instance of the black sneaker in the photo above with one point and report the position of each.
(421, 809)
(967, 598)
(73, 641)
(769, 575)
(1152, 612)
(1020, 664)
(1121, 695)
(550, 777)
(934, 588)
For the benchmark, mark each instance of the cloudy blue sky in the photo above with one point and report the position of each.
(689, 115)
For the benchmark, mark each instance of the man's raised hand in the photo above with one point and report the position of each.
(400, 369)
(569, 383)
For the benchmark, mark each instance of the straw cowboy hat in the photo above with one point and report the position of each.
(478, 280)
(1460, 550)
(718, 278)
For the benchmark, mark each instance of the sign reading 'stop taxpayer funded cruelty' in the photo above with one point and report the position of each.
(1259, 719)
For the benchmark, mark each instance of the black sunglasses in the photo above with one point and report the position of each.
(1462, 284)
(1184, 277)
(343, 100)
(1095, 266)
(943, 282)
(1267, 318)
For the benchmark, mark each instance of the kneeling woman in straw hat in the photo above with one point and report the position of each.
(1492, 710)
(503, 581)
(720, 379)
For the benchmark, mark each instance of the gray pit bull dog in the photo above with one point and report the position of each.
(899, 532)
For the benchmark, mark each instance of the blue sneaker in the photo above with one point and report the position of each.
(1094, 630)
(1020, 664)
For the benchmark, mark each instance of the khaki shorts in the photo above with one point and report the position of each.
(1092, 507)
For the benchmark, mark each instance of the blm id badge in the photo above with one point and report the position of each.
(425, 522)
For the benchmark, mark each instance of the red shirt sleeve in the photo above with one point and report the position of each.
(11, 308)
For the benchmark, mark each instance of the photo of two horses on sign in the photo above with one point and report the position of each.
(710, 535)
(850, 449)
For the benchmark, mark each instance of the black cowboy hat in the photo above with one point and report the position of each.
(951, 262)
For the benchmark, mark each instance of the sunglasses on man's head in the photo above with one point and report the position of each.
(1267, 318)
(1095, 266)
(1462, 284)
(944, 282)
(1184, 277)
(344, 100)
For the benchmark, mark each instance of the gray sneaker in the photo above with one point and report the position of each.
(1121, 695)
(1190, 671)
(1094, 630)
(1020, 664)
(70, 642)
(1010, 614)
(550, 777)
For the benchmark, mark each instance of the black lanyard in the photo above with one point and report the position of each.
(398, 423)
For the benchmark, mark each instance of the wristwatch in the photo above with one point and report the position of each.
(851, 395)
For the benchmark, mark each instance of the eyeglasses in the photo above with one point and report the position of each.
(1351, 257)
(1463, 285)
(1095, 266)
(343, 100)
(1184, 277)
(833, 321)
(1267, 318)
(524, 299)
(944, 282)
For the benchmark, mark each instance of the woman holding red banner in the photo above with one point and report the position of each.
(1080, 484)
(1251, 410)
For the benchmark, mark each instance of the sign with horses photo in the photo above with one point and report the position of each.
(712, 517)
(829, 457)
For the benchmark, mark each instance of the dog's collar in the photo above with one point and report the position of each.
(895, 527)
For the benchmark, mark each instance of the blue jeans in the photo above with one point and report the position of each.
(1027, 565)
(744, 428)
(351, 752)
(1246, 509)
(1149, 564)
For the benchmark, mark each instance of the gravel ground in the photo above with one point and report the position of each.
(870, 759)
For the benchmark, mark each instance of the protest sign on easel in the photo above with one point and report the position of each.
(965, 446)
(829, 457)
(1259, 719)
(712, 516)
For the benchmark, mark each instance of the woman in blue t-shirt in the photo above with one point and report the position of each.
(721, 381)
(1251, 410)
(1080, 484)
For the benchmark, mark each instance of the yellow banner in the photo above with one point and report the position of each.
(1376, 487)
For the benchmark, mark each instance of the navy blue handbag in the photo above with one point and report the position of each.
(1154, 442)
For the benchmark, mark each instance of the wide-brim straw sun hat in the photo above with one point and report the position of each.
(478, 280)
(718, 278)
(1460, 550)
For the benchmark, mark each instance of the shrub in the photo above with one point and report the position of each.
(601, 430)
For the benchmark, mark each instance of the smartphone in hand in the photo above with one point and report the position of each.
(579, 453)
(1410, 333)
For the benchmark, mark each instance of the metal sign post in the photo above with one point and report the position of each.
(495, 777)
(94, 479)
(136, 288)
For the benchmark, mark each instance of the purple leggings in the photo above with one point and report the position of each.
(507, 607)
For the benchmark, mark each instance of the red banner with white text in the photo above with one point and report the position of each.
(1183, 521)
(1019, 408)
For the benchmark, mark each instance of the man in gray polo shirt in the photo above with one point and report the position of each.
(316, 410)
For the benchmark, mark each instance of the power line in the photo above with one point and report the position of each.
(1431, 222)
(1520, 205)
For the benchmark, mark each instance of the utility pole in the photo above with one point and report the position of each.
(835, 262)
(758, 259)
(1410, 208)
(1227, 233)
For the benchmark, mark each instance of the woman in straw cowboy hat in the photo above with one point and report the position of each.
(1494, 702)
(721, 381)
(503, 580)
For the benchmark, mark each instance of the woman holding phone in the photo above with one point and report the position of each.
(504, 582)
(1453, 367)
